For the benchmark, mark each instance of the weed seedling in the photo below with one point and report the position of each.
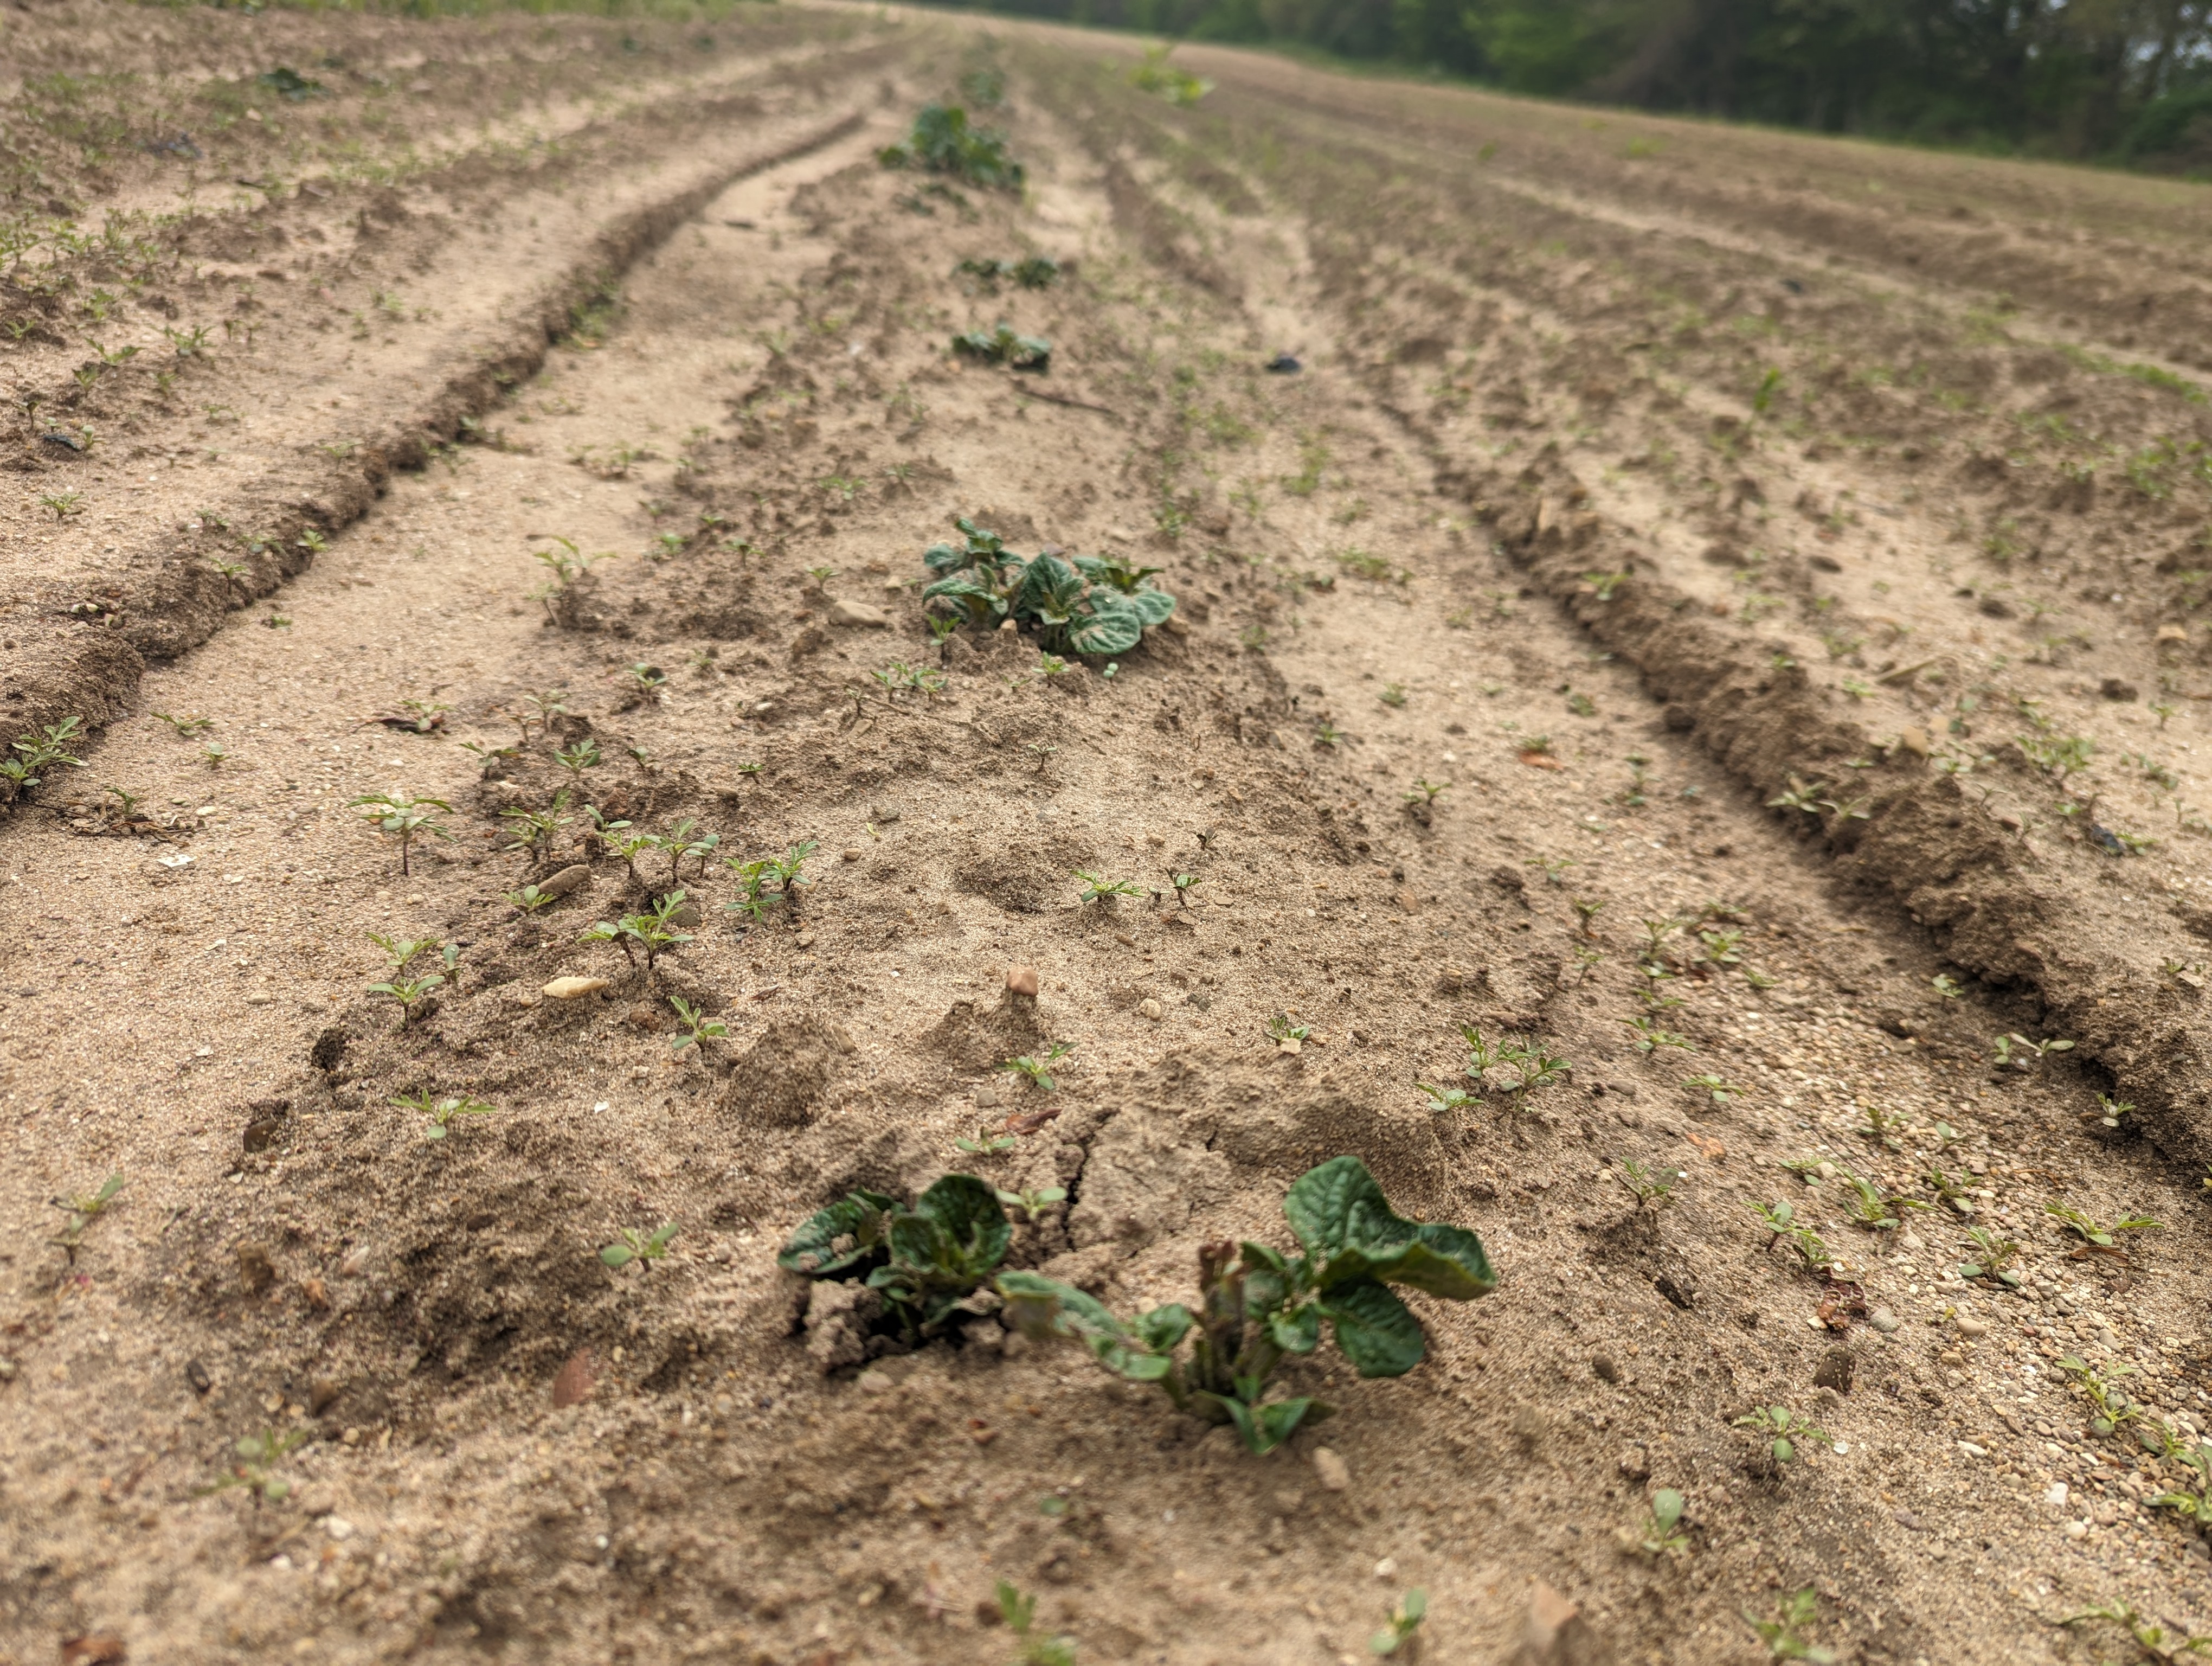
(1442, 1099)
(1033, 1203)
(1719, 1088)
(1947, 986)
(1602, 585)
(258, 1457)
(1781, 1428)
(2196, 1503)
(985, 1144)
(2114, 1409)
(584, 755)
(1993, 1258)
(528, 900)
(1037, 1649)
(2110, 1114)
(1662, 1533)
(1093, 888)
(532, 828)
(1037, 1072)
(697, 1026)
(2093, 1234)
(1405, 1620)
(184, 726)
(654, 931)
(1781, 1635)
(1649, 1038)
(1425, 791)
(403, 819)
(82, 1213)
(441, 1112)
(2151, 1640)
(1393, 694)
(1876, 1209)
(637, 1246)
(1651, 1191)
(1280, 1029)
(1184, 883)
(1258, 1306)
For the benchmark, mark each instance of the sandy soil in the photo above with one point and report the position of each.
(1676, 613)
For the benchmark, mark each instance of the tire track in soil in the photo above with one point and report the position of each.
(718, 1491)
(158, 599)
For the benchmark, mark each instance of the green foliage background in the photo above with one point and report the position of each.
(2112, 79)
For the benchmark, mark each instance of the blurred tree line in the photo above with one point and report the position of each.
(2081, 78)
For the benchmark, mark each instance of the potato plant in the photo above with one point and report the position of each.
(1087, 605)
(1258, 1307)
(927, 1260)
(942, 141)
(1000, 344)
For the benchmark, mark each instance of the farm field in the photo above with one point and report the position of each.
(1675, 746)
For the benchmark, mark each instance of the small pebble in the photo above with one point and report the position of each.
(874, 1382)
(1334, 1473)
(1884, 1321)
(573, 989)
(1971, 1326)
(2056, 1494)
(1150, 1008)
(1951, 1358)
(1022, 980)
(1387, 1568)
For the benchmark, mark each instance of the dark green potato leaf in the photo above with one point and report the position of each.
(856, 1220)
(1376, 1331)
(1107, 626)
(1347, 1225)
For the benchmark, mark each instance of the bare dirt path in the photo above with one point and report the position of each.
(1457, 723)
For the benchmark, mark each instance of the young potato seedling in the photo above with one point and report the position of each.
(403, 819)
(635, 1246)
(441, 1112)
(1781, 1428)
(1093, 606)
(1037, 1649)
(1781, 1635)
(1405, 1620)
(698, 1028)
(1038, 1070)
(942, 141)
(258, 1457)
(1258, 1307)
(925, 1260)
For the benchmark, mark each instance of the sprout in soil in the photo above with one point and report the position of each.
(1035, 1070)
(528, 900)
(653, 931)
(681, 842)
(697, 1026)
(1781, 1633)
(82, 1213)
(1257, 1306)
(1662, 1533)
(532, 828)
(1097, 889)
(403, 818)
(584, 755)
(2093, 1232)
(637, 1246)
(1033, 1203)
(258, 1457)
(1781, 1428)
(1037, 1648)
(441, 1112)
(184, 726)
(985, 1144)
(1425, 791)
(1183, 885)
(409, 992)
(1405, 1620)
